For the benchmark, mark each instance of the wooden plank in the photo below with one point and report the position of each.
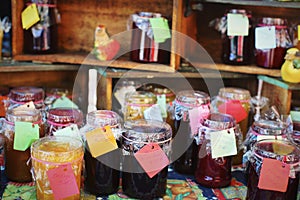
(258, 3)
(280, 83)
(23, 67)
(104, 95)
(17, 32)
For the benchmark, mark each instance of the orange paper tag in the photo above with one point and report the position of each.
(274, 175)
(101, 141)
(152, 159)
(233, 108)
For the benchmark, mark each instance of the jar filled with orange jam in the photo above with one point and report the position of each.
(52, 152)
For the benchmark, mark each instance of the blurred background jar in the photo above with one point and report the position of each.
(272, 39)
(52, 94)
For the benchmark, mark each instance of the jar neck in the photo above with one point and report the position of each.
(140, 98)
(24, 115)
(192, 99)
(102, 118)
(64, 116)
(23, 95)
(218, 121)
(234, 94)
(268, 127)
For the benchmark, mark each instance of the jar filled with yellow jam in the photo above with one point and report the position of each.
(136, 103)
(50, 153)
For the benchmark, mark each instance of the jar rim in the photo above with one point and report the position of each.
(26, 94)
(192, 98)
(101, 118)
(234, 93)
(269, 127)
(65, 115)
(26, 114)
(219, 121)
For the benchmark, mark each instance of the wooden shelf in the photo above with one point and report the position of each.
(280, 83)
(88, 59)
(270, 3)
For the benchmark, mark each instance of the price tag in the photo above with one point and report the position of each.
(274, 175)
(265, 37)
(223, 143)
(162, 102)
(233, 108)
(64, 102)
(237, 25)
(100, 141)
(25, 134)
(71, 130)
(63, 182)
(161, 30)
(30, 16)
(153, 113)
(152, 159)
(195, 115)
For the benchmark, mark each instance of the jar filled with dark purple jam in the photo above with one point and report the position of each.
(143, 46)
(237, 48)
(102, 174)
(283, 151)
(59, 118)
(184, 145)
(136, 183)
(269, 56)
(215, 172)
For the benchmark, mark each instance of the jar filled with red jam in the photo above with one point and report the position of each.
(283, 151)
(269, 56)
(102, 174)
(59, 118)
(184, 142)
(136, 183)
(17, 167)
(214, 172)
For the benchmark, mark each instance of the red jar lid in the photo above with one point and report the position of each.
(65, 116)
(27, 94)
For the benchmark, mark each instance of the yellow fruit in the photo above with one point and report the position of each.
(290, 70)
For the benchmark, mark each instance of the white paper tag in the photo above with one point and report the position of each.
(265, 37)
(272, 137)
(223, 143)
(153, 113)
(237, 25)
(29, 105)
(71, 130)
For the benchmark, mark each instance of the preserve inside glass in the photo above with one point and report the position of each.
(214, 172)
(273, 149)
(135, 181)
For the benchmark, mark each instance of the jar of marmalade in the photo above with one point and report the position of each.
(136, 183)
(16, 165)
(214, 172)
(282, 151)
(136, 103)
(183, 137)
(102, 174)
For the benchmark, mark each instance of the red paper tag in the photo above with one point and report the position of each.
(233, 108)
(62, 182)
(152, 159)
(274, 175)
(195, 116)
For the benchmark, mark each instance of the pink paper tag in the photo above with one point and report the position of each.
(274, 175)
(195, 115)
(62, 181)
(152, 159)
(233, 108)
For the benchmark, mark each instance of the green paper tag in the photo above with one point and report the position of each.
(161, 30)
(64, 102)
(162, 102)
(295, 115)
(25, 134)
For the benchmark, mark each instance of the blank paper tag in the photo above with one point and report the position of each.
(71, 130)
(152, 159)
(161, 30)
(265, 37)
(223, 143)
(233, 108)
(29, 105)
(101, 142)
(64, 102)
(30, 16)
(162, 102)
(62, 181)
(25, 134)
(153, 113)
(237, 25)
(274, 175)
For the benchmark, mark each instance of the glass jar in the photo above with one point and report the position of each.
(16, 166)
(102, 174)
(277, 150)
(51, 152)
(42, 36)
(273, 58)
(143, 47)
(229, 101)
(135, 181)
(238, 49)
(136, 103)
(53, 94)
(59, 118)
(4, 91)
(183, 137)
(214, 172)
(22, 95)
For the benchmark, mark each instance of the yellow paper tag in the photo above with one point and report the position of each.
(30, 16)
(101, 142)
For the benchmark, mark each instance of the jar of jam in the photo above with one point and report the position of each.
(22, 95)
(136, 103)
(184, 142)
(282, 151)
(59, 118)
(16, 161)
(102, 174)
(236, 102)
(136, 183)
(272, 56)
(143, 46)
(237, 48)
(214, 172)
(56, 152)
